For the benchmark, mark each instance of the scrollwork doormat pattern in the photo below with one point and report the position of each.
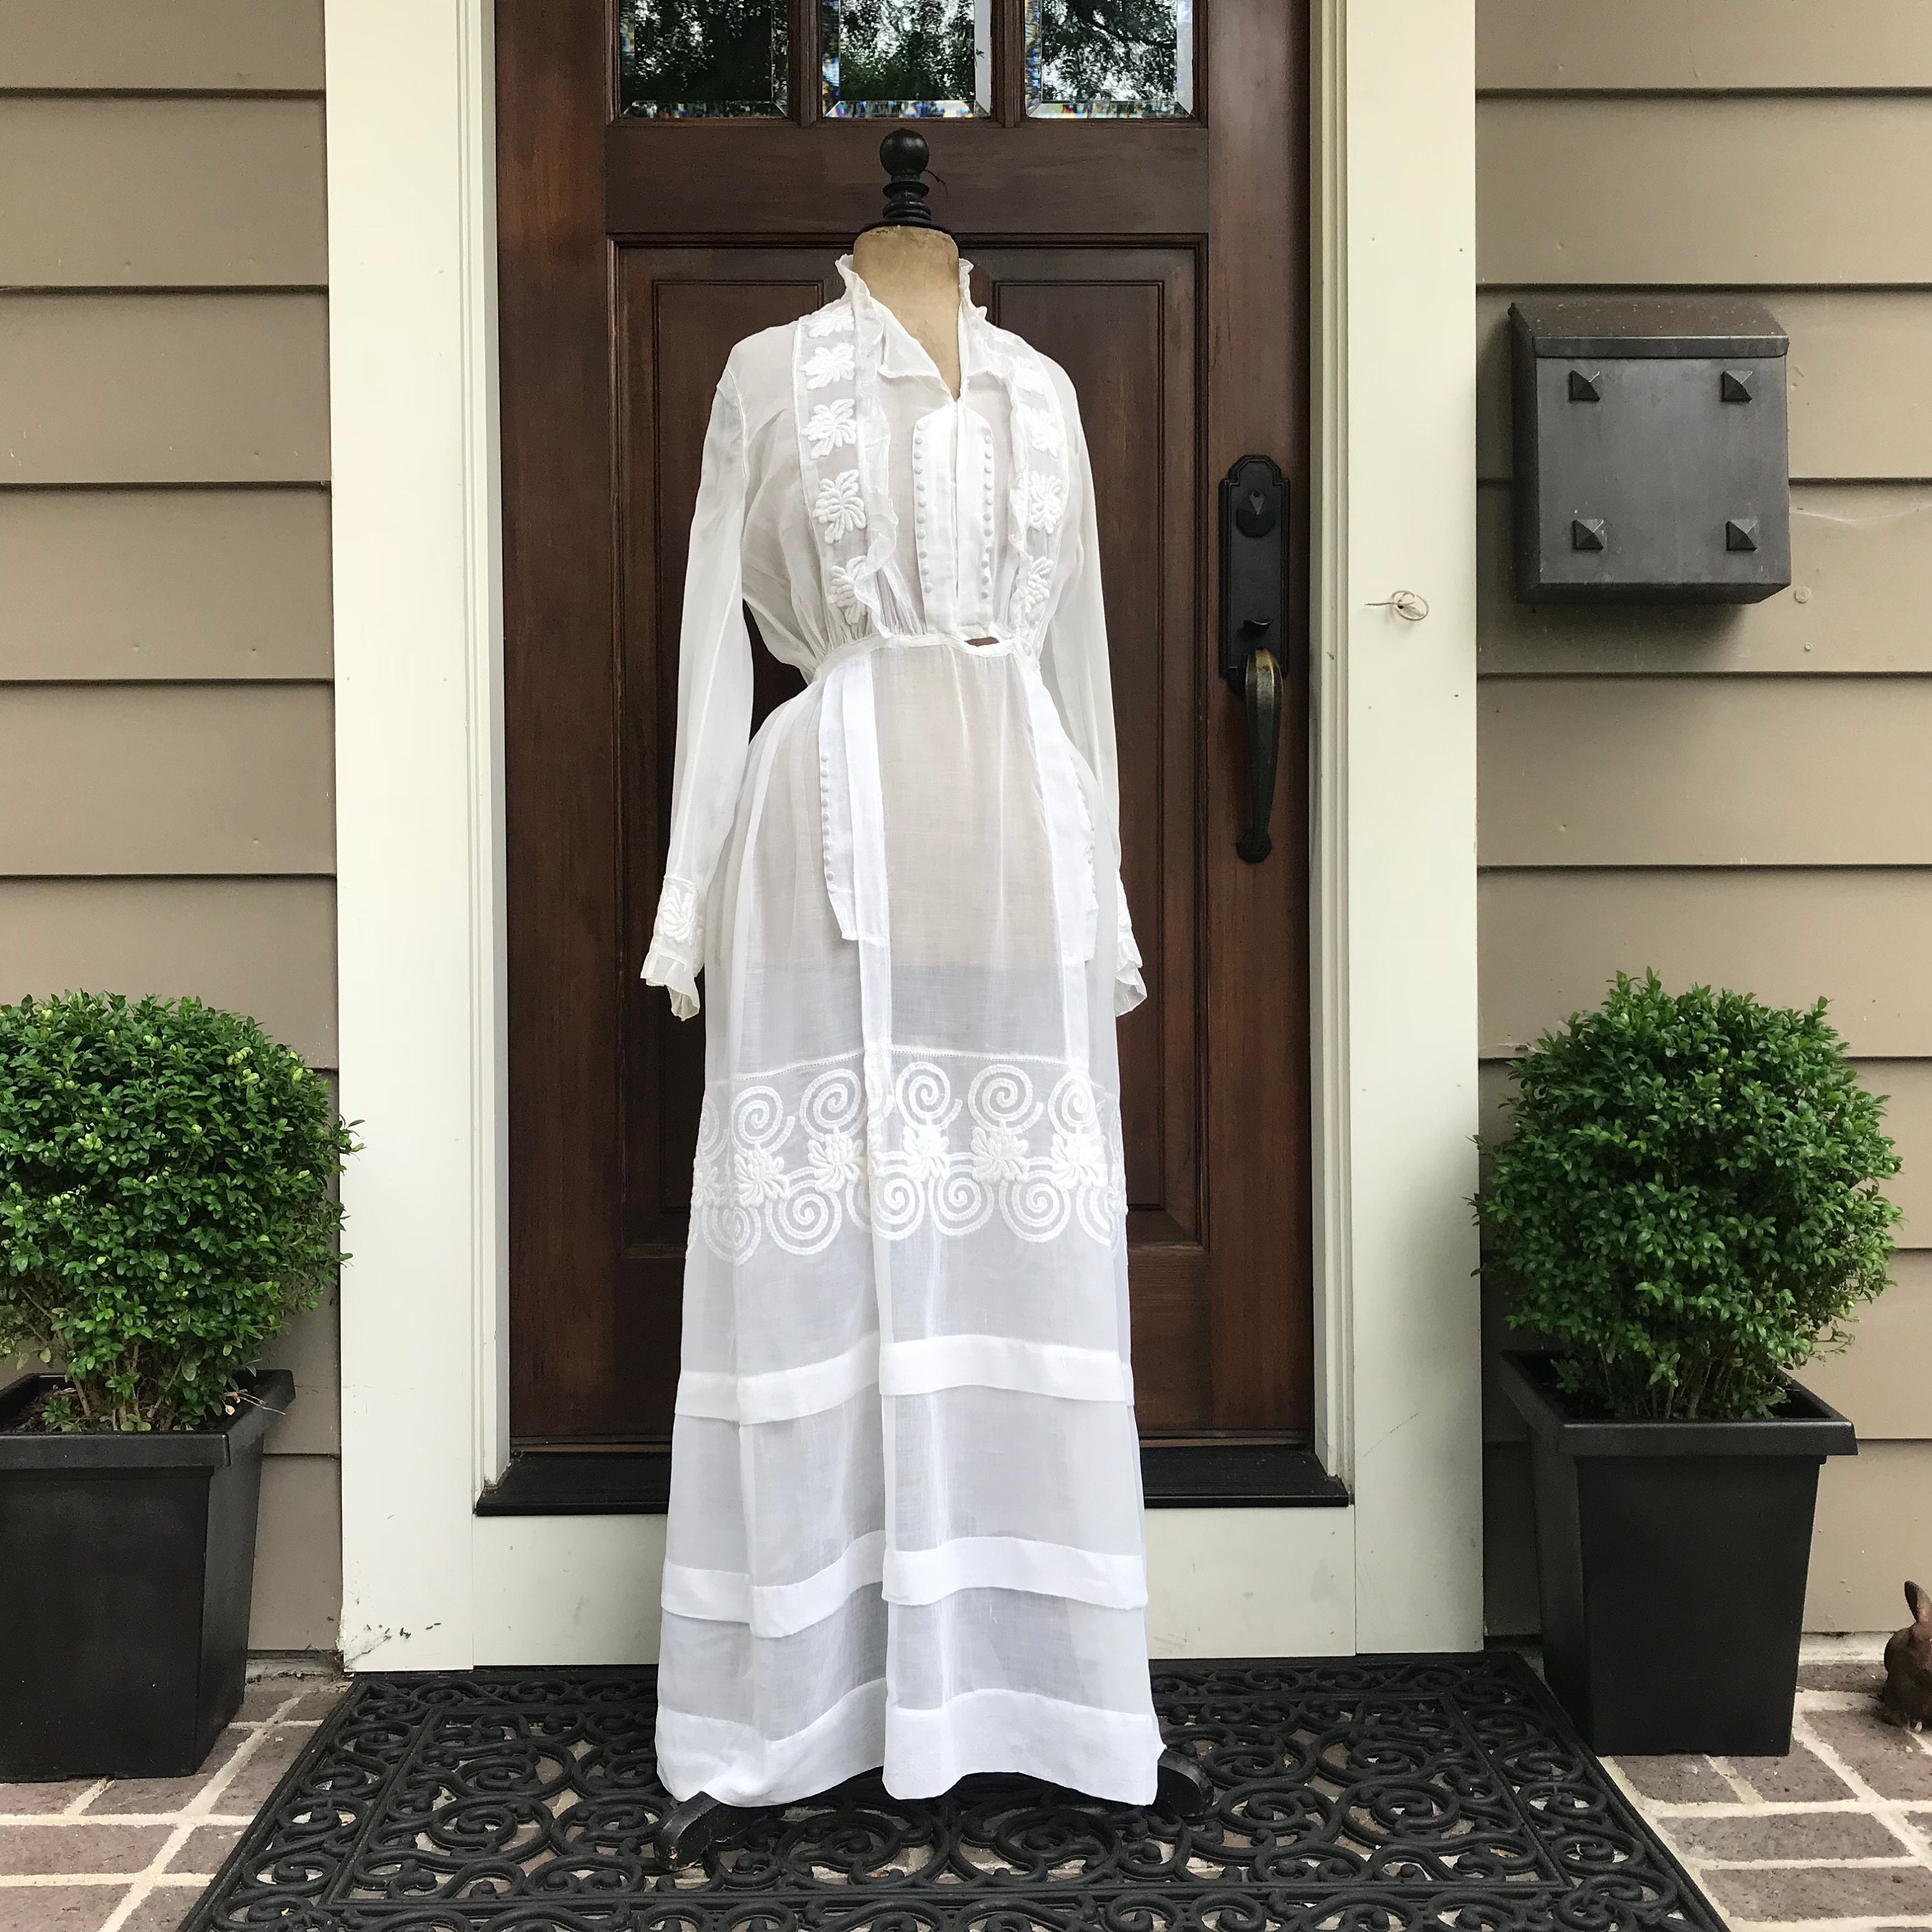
(1401, 1794)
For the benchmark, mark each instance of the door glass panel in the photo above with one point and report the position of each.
(701, 59)
(1113, 60)
(908, 58)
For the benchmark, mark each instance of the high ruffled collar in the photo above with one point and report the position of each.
(900, 353)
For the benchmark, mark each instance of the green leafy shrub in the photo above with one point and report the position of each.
(167, 1202)
(1690, 1204)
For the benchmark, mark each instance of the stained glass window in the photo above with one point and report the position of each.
(906, 59)
(1110, 59)
(698, 59)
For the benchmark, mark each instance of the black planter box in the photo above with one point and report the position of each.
(1671, 1559)
(123, 1621)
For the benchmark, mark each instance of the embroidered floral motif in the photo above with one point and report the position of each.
(832, 424)
(795, 1176)
(839, 507)
(829, 364)
(1042, 430)
(998, 1154)
(1029, 375)
(1041, 501)
(1031, 589)
(835, 320)
(842, 585)
(677, 925)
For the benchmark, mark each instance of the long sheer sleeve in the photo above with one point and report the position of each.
(714, 707)
(1073, 662)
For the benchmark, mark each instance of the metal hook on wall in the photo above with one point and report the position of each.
(1409, 604)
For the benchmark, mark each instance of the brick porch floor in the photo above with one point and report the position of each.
(1836, 1838)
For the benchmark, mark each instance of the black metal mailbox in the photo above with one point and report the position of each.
(1652, 458)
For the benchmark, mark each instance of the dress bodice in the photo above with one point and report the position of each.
(847, 497)
(875, 501)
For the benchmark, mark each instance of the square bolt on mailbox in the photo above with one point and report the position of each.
(1652, 458)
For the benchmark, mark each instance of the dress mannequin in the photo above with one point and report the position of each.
(910, 265)
(915, 272)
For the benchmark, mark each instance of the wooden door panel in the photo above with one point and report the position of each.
(772, 178)
(1124, 324)
(679, 310)
(1163, 265)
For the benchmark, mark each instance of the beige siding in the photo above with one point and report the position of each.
(106, 584)
(164, 388)
(1551, 940)
(311, 1350)
(1860, 377)
(146, 193)
(1808, 46)
(1654, 189)
(1861, 554)
(1737, 796)
(1705, 771)
(298, 1555)
(156, 778)
(1880, 1379)
(167, 806)
(238, 46)
(265, 947)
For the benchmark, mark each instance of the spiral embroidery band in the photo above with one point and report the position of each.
(795, 1172)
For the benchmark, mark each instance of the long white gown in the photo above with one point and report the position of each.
(905, 1521)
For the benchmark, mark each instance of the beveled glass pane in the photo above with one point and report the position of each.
(699, 59)
(908, 58)
(1119, 60)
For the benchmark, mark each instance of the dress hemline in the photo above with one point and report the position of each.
(1111, 1755)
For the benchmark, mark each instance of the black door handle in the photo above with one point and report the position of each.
(1254, 586)
(1263, 697)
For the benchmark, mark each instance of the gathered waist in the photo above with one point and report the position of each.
(992, 646)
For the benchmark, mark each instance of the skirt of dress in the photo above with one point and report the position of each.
(905, 1522)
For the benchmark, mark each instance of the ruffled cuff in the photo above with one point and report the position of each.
(677, 945)
(1129, 989)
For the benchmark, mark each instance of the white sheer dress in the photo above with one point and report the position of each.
(905, 1522)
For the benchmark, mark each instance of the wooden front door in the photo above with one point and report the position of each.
(1128, 179)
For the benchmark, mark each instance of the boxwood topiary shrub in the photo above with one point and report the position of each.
(1689, 1205)
(166, 1203)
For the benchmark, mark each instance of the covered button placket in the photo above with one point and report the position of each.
(935, 517)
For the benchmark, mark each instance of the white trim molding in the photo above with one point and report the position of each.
(426, 1583)
(1397, 1321)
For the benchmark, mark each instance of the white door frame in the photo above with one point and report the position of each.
(418, 628)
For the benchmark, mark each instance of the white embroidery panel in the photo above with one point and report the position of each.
(794, 1170)
(675, 929)
(855, 525)
(1040, 487)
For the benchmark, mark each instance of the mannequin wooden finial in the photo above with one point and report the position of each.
(904, 155)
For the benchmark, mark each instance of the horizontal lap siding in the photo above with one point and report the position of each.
(1739, 796)
(166, 756)
(1754, 190)
(254, 46)
(264, 947)
(1597, 770)
(164, 388)
(1805, 46)
(154, 779)
(164, 584)
(187, 192)
(1861, 559)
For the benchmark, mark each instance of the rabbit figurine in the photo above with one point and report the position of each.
(1906, 1698)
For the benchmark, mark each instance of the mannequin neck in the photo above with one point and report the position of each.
(915, 273)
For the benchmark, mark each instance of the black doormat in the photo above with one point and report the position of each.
(1399, 1794)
